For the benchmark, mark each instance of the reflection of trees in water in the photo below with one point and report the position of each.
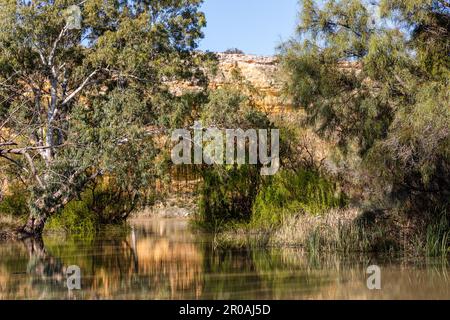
(163, 260)
(296, 274)
(335, 275)
(41, 265)
(31, 271)
(131, 267)
(118, 265)
(254, 274)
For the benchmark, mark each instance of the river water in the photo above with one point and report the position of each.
(166, 259)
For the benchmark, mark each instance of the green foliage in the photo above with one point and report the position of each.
(113, 202)
(104, 203)
(76, 218)
(227, 195)
(15, 203)
(237, 194)
(231, 108)
(80, 101)
(289, 193)
(107, 202)
(228, 192)
(376, 76)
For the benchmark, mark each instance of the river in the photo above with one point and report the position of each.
(167, 259)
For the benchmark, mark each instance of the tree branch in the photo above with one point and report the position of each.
(14, 161)
(55, 44)
(8, 144)
(33, 170)
(76, 91)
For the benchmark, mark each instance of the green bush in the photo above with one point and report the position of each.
(106, 203)
(293, 192)
(76, 218)
(227, 195)
(15, 203)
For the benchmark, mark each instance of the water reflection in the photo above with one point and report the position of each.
(164, 259)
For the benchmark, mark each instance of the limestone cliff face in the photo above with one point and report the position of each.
(258, 76)
(259, 72)
(263, 74)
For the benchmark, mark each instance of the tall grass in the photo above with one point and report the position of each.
(438, 237)
(344, 231)
(333, 231)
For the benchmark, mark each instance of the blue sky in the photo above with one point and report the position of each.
(254, 26)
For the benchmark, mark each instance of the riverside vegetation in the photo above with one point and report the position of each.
(365, 152)
(373, 82)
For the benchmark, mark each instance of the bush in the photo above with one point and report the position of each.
(104, 203)
(15, 203)
(227, 195)
(234, 51)
(292, 192)
(76, 218)
(228, 192)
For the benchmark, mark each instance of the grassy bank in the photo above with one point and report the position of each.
(345, 231)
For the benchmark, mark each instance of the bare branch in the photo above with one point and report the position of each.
(33, 170)
(8, 144)
(25, 149)
(76, 91)
(41, 54)
(55, 45)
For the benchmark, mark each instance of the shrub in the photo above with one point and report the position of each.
(76, 218)
(104, 203)
(15, 202)
(234, 51)
(293, 192)
(227, 195)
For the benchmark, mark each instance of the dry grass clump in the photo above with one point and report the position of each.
(301, 229)
(8, 225)
(8, 222)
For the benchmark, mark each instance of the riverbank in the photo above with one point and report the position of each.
(345, 231)
(80, 223)
(348, 230)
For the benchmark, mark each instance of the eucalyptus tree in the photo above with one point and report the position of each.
(375, 75)
(80, 84)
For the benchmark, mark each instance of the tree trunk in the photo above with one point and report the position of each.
(35, 224)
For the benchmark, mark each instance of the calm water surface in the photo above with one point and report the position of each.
(165, 259)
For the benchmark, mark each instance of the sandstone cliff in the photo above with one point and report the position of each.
(260, 72)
